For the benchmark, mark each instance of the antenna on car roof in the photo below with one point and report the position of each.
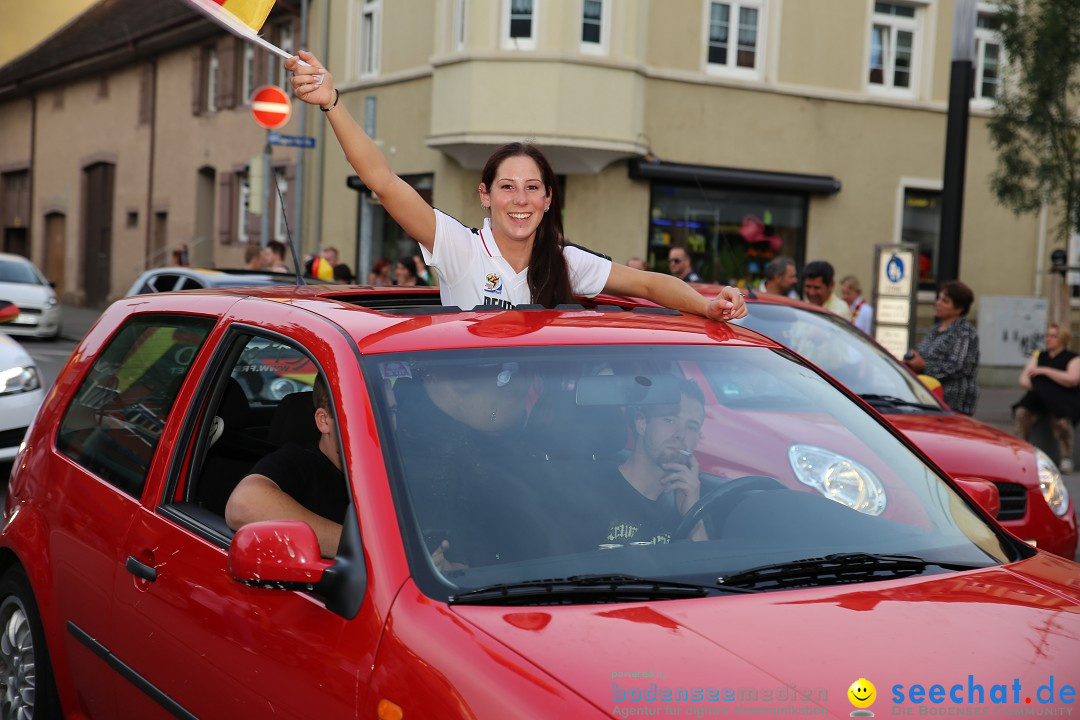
(292, 241)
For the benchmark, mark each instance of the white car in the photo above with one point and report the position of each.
(21, 393)
(23, 284)
(174, 278)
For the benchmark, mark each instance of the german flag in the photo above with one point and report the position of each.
(243, 18)
(250, 12)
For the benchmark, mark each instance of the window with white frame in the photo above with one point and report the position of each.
(243, 205)
(247, 74)
(734, 36)
(519, 24)
(280, 197)
(988, 55)
(893, 46)
(286, 42)
(595, 24)
(459, 24)
(368, 37)
(211, 79)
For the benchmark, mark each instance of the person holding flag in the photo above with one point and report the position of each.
(520, 256)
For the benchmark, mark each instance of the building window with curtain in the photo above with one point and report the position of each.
(988, 56)
(894, 42)
(734, 37)
(367, 37)
(519, 24)
(594, 26)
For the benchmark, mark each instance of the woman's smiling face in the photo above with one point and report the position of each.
(517, 198)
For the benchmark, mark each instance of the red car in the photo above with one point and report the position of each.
(1035, 502)
(497, 556)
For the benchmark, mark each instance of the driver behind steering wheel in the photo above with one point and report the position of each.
(644, 499)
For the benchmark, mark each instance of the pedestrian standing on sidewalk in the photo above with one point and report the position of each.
(1051, 378)
(950, 351)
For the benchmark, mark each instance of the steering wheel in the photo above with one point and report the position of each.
(739, 486)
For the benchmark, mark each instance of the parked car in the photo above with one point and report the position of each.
(23, 284)
(21, 395)
(1035, 502)
(487, 437)
(175, 277)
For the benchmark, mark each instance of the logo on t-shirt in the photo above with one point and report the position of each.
(493, 283)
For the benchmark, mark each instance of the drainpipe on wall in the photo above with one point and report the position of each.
(148, 243)
(1040, 252)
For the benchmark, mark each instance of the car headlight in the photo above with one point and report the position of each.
(838, 478)
(50, 302)
(19, 380)
(1053, 487)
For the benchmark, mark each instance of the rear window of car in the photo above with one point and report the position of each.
(113, 426)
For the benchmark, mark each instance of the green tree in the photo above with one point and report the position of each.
(1036, 125)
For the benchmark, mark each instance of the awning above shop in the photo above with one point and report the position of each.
(734, 177)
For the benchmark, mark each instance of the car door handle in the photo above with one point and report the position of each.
(139, 569)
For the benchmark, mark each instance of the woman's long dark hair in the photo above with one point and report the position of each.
(549, 277)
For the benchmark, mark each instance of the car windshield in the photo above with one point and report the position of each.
(23, 273)
(518, 465)
(840, 349)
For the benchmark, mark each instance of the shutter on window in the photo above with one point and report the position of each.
(290, 188)
(254, 222)
(226, 88)
(227, 199)
(198, 82)
(258, 72)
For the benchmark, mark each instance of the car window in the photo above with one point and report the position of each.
(190, 284)
(269, 369)
(522, 464)
(113, 425)
(838, 348)
(13, 271)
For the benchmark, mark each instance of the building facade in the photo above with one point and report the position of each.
(738, 129)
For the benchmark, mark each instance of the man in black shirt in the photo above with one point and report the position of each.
(644, 499)
(298, 482)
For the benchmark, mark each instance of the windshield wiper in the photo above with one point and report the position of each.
(585, 589)
(875, 399)
(836, 569)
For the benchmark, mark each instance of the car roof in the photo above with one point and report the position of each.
(398, 319)
(227, 277)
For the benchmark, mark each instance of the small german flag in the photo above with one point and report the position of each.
(8, 311)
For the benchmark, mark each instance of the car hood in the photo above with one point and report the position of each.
(12, 354)
(806, 647)
(25, 293)
(965, 447)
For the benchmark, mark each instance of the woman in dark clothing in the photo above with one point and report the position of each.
(1051, 378)
(950, 351)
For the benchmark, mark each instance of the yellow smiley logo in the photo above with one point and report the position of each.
(862, 693)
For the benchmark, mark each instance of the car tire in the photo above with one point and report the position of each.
(27, 686)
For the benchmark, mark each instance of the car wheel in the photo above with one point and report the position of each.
(27, 689)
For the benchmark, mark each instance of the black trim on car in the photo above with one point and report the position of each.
(128, 673)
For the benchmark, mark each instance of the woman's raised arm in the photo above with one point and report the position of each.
(313, 84)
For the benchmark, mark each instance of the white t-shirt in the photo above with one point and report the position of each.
(472, 271)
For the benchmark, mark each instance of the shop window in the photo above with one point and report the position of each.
(922, 226)
(730, 234)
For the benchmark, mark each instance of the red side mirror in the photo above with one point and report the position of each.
(272, 552)
(983, 492)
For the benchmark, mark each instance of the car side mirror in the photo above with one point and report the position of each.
(277, 554)
(983, 492)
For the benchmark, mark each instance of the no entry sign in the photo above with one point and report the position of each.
(270, 107)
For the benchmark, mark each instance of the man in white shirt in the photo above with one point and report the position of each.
(862, 313)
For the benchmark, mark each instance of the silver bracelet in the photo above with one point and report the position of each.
(337, 96)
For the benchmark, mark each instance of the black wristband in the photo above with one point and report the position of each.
(337, 95)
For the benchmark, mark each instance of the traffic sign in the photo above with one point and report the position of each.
(300, 141)
(270, 107)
